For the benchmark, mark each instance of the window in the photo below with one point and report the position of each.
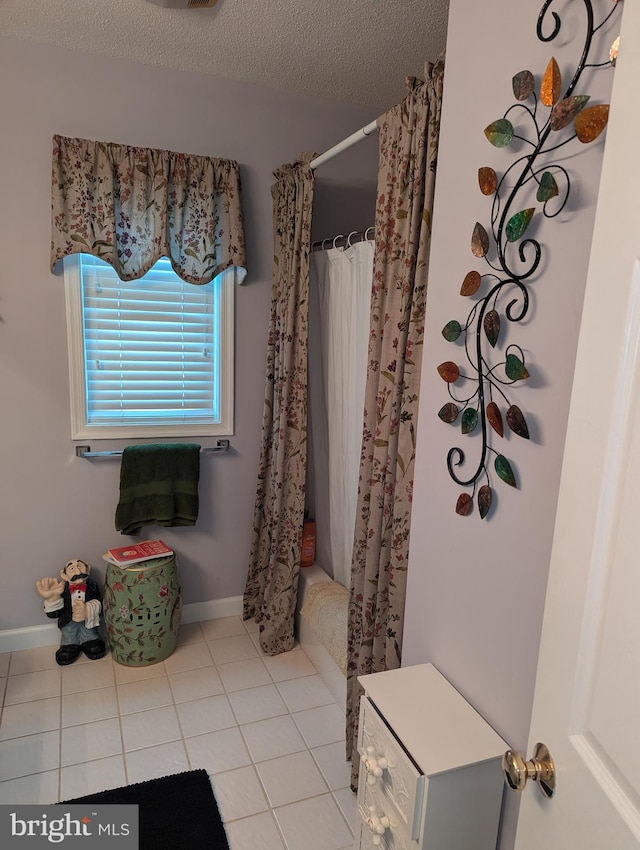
(148, 357)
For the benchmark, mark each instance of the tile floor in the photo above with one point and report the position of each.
(267, 730)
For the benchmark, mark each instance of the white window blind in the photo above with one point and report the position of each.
(157, 353)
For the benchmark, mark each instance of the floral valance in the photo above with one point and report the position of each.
(130, 206)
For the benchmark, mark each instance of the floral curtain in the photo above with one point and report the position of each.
(272, 583)
(408, 144)
(130, 206)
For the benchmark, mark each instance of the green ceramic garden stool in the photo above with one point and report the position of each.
(142, 611)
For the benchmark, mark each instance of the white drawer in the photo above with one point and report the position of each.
(375, 807)
(401, 782)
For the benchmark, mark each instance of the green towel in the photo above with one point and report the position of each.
(158, 486)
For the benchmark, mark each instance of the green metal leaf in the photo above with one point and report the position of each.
(484, 500)
(491, 326)
(517, 422)
(515, 368)
(548, 187)
(452, 330)
(518, 223)
(464, 505)
(449, 412)
(499, 132)
(503, 468)
(469, 420)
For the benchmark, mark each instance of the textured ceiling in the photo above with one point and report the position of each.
(353, 51)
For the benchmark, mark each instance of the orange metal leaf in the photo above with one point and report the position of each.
(591, 122)
(566, 110)
(551, 84)
(479, 241)
(449, 412)
(449, 371)
(464, 505)
(488, 180)
(495, 418)
(471, 283)
(523, 83)
(492, 327)
(484, 500)
(517, 422)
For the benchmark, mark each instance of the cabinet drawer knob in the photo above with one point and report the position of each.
(377, 824)
(374, 765)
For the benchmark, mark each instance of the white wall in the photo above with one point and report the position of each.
(476, 587)
(55, 506)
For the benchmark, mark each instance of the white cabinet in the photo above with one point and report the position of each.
(430, 774)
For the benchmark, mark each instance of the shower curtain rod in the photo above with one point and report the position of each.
(351, 140)
(332, 242)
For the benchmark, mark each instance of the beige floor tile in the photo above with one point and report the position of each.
(189, 656)
(92, 777)
(289, 665)
(37, 789)
(290, 778)
(89, 706)
(26, 718)
(259, 831)
(89, 741)
(233, 648)
(30, 754)
(150, 728)
(29, 686)
(86, 677)
(194, 684)
(249, 673)
(200, 716)
(148, 693)
(154, 762)
(314, 824)
(269, 739)
(31, 660)
(222, 627)
(239, 793)
(218, 751)
(257, 703)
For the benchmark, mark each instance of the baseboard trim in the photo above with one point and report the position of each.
(48, 635)
(214, 609)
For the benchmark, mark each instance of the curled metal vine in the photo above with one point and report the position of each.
(542, 133)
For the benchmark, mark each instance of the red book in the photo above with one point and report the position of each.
(123, 556)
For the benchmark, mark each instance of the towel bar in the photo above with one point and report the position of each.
(85, 451)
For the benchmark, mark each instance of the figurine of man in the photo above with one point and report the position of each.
(75, 600)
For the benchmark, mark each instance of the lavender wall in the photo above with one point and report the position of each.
(476, 587)
(55, 506)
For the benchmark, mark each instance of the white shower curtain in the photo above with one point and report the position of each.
(340, 299)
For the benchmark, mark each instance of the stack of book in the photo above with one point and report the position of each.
(136, 553)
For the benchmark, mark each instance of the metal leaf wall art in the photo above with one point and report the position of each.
(543, 120)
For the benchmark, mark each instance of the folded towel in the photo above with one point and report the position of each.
(158, 486)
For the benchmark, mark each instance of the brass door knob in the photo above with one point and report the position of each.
(541, 768)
